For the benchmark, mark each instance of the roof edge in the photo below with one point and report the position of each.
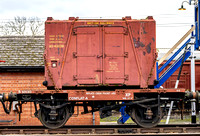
(21, 68)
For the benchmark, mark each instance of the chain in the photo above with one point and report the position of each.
(151, 72)
(50, 74)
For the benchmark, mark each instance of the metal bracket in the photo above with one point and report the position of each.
(74, 31)
(126, 77)
(126, 54)
(192, 57)
(125, 31)
(74, 77)
(74, 55)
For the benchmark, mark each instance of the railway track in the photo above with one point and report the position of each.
(186, 130)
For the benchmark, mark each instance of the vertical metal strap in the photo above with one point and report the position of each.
(132, 42)
(66, 49)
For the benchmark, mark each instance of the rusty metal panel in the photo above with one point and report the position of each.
(100, 52)
(87, 55)
(114, 64)
(185, 79)
(55, 38)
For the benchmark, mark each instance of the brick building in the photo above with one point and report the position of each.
(24, 70)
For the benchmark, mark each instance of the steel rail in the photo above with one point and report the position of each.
(104, 130)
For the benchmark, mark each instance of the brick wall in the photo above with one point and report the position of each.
(15, 81)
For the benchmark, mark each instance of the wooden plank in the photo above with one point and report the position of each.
(176, 45)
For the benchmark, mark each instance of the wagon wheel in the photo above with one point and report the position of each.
(140, 117)
(59, 121)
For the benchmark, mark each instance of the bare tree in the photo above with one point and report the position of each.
(18, 26)
(6, 30)
(36, 26)
(22, 25)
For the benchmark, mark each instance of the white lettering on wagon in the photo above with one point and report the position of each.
(25, 91)
(127, 96)
(100, 93)
(78, 98)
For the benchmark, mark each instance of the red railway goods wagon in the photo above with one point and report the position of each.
(87, 53)
(99, 63)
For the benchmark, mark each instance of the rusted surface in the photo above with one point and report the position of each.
(184, 81)
(100, 52)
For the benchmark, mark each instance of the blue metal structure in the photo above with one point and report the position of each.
(173, 67)
(176, 64)
(124, 116)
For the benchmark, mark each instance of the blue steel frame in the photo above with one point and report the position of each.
(173, 67)
(124, 117)
(177, 64)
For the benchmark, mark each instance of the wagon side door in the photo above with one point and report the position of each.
(88, 67)
(114, 55)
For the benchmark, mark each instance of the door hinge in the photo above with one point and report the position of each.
(74, 77)
(126, 77)
(126, 54)
(74, 32)
(74, 55)
(126, 31)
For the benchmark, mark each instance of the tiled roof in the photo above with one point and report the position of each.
(22, 50)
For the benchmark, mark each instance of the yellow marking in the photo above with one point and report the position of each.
(54, 59)
(110, 23)
(60, 35)
(56, 46)
(109, 71)
(51, 39)
(101, 23)
(112, 71)
(106, 23)
(113, 67)
(97, 78)
(89, 23)
(55, 41)
(48, 64)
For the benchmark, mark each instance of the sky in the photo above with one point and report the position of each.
(171, 24)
